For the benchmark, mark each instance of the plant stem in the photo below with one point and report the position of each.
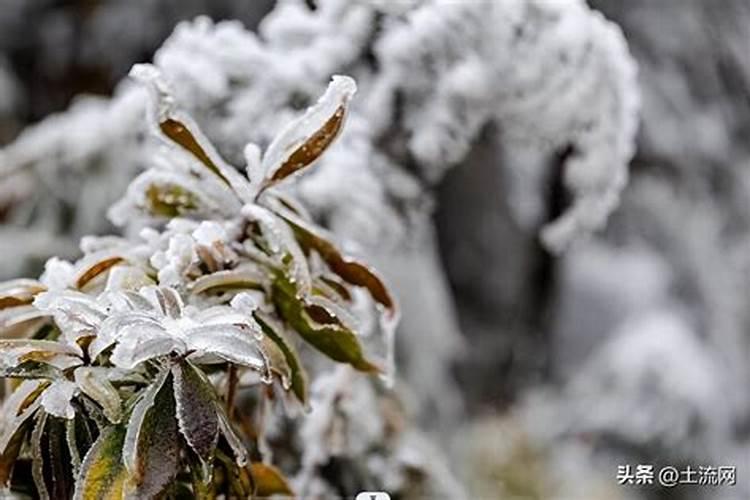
(231, 389)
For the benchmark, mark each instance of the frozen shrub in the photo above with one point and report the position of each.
(126, 367)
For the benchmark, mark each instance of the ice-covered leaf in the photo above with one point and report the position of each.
(14, 352)
(180, 130)
(135, 349)
(21, 321)
(179, 133)
(15, 421)
(281, 244)
(19, 292)
(347, 268)
(124, 277)
(269, 480)
(170, 200)
(93, 266)
(196, 411)
(56, 399)
(330, 338)
(93, 382)
(275, 361)
(234, 343)
(298, 376)
(15, 404)
(304, 140)
(77, 314)
(150, 449)
(135, 324)
(234, 441)
(103, 474)
(164, 299)
(160, 194)
(145, 402)
(235, 279)
(9, 452)
(80, 436)
(353, 272)
(31, 370)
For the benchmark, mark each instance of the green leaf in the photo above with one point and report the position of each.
(330, 338)
(103, 475)
(151, 445)
(170, 200)
(298, 379)
(269, 480)
(347, 268)
(196, 411)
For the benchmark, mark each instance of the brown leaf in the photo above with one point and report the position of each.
(269, 480)
(19, 292)
(89, 272)
(347, 268)
(177, 132)
(305, 139)
(307, 153)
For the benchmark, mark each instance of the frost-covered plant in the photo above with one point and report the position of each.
(131, 360)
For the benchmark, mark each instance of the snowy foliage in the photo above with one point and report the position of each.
(135, 354)
(434, 77)
(432, 74)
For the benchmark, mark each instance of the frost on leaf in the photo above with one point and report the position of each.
(142, 352)
(103, 475)
(196, 412)
(304, 140)
(150, 449)
(56, 399)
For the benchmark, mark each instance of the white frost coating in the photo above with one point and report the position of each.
(56, 354)
(58, 274)
(162, 107)
(550, 74)
(337, 96)
(77, 314)
(56, 399)
(162, 326)
(280, 238)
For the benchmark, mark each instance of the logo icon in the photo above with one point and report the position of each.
(373, 495)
